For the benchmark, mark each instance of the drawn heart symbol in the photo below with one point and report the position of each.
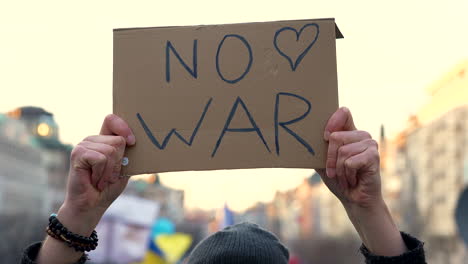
(298, 34)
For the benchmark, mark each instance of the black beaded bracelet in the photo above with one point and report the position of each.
(80, 243)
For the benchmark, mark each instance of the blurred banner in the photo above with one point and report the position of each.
(152, 258)
(173, 246)
(125, 230)
(133, 210)
(228, 217)
(160, 227)
(166, 246)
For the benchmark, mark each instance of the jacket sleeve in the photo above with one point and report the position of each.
(415, 253)
(30, 254)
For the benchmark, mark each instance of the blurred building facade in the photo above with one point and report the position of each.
(55, 155)
(33, 172)
(429, 159)
(391, 181)
(307, 211)
(257, 214)
(23, 177)
(285, 211)
(334, 221)
(23, 190)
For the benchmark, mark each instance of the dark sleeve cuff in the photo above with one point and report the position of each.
(415, 253)
(30, 255)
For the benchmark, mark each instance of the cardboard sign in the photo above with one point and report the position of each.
(254, 95)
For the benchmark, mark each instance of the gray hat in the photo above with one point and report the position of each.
(243, 243)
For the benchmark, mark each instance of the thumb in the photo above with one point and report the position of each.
(341, 120)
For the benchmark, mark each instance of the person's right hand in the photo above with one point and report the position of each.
(353, 174)
(353, 164)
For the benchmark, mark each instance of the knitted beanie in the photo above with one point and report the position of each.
(243, 243)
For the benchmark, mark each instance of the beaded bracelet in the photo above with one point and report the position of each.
(80, 243)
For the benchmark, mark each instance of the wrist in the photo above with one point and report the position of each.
(369, 217)
(78, 221)
(54, 250)
(376, 228)
(372, 207)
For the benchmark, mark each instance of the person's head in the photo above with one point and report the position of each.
(244, 243)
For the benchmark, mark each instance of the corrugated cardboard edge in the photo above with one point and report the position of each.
(338, 33)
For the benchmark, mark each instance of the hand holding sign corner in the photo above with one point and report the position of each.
(298, 35)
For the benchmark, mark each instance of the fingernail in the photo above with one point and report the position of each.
(131, 140)
(326, 136)
(331, 172)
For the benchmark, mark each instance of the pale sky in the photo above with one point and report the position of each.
(58, 55)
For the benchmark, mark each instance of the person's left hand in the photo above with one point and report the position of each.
(94, 180)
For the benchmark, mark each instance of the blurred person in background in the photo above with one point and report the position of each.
(352, 173)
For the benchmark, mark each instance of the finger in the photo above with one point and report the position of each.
(113, 155)
(116, 141)
(110, 175)
(83, 158)
(114, 125)
(341, 120)
(342, 181)
(99, 168)
(348, 151)
(351, 176)
(367, 160)
(338, 139)
(119, 143)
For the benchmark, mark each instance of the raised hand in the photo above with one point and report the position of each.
(353, 174)
(94, 182)
(353, 165)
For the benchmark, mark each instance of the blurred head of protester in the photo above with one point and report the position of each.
(244, 243)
